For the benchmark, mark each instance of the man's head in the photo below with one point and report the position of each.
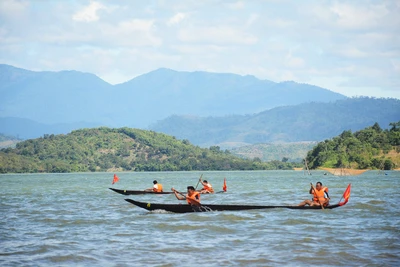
(319, 185)
(155, 181)
(205, 181)
(190, 188)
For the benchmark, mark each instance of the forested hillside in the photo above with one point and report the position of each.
(370, 148)
(123, 149)
(292, 152)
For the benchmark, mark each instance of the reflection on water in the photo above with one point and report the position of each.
(74, 219)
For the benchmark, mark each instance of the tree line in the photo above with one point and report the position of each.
(122, 149)
(370, 148)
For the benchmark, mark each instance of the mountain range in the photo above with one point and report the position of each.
(315, 121)
(205, 108)
(75, 98)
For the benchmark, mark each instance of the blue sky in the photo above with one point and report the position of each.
(350, 47)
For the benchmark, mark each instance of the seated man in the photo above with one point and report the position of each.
(320, 196)
(156, 187)
(207, 187)
(192, 197)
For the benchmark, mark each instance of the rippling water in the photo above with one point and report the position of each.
(75, 220)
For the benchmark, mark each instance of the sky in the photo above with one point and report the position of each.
(349, 47)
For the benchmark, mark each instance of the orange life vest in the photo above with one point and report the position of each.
(195, 195)
(159, 188)
(208, 187)
(319, 196)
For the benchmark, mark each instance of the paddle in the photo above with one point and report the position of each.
(315, 191)
(198, 182)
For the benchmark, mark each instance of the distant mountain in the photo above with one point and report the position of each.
(166, 92)
(8, 141)
(28, 129)
(72, 96)
(53, 97)
(303, 122)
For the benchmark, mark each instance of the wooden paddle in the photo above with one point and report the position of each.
(198, 182)
(315, 191)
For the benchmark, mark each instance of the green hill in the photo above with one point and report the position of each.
(123, 149)
(370, 148)
(293, 152)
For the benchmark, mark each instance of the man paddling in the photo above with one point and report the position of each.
(192, 197)
(320, 196)
(207, 187)
(156, 187)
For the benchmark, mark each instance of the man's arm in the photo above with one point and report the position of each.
(178, 196)
(311, 190)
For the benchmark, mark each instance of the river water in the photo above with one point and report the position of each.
(75, 220)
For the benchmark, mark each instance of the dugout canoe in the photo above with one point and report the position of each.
(141, 192)
(185, 208)
(138, 192)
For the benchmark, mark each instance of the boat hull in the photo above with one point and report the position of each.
(138, 192)
(185, 208)
(142, 192)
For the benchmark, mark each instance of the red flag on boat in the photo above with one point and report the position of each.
(116, 179)
(224, 186)
(346, 195)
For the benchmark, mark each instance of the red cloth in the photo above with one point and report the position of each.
(116, 179)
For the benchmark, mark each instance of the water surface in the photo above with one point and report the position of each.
(75, 220)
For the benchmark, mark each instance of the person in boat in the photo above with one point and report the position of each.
(192, 197)
(207, 187)
(156, 187)
(320, 196)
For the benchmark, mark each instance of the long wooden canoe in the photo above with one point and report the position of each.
(184, 208)
(138, 192)
(141, 192)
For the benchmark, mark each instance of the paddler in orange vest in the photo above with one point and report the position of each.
(156, 187)
(207, 187)
(320, 196)
(192, 197)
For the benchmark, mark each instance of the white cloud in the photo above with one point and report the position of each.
(176, 19)
(135, 32)
(358, 16)
(352, 52)
(236, 5)
(252, 19)
(89, 13)
(13, 9)
(217, 35)
(340, 45)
